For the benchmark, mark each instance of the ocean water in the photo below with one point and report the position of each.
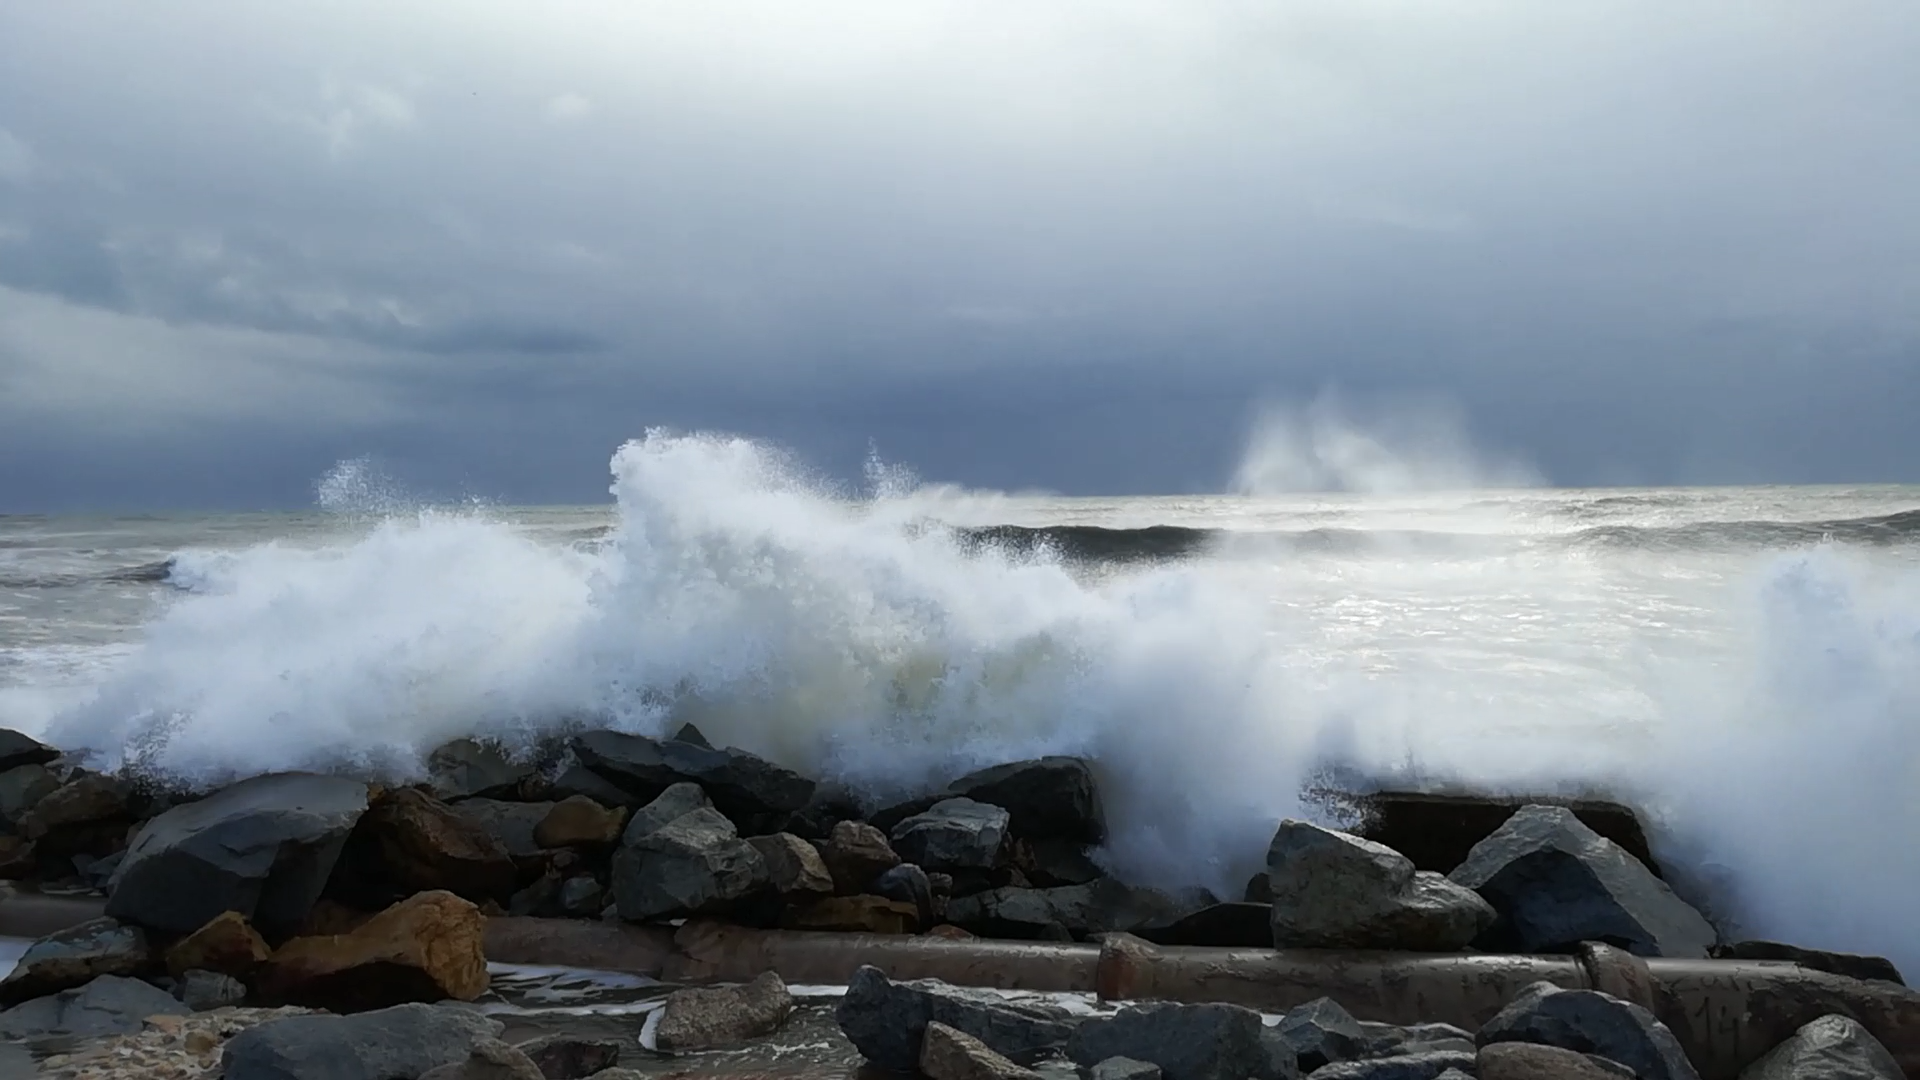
(1743, 664)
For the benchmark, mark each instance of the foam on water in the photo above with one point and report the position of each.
(1762, 707)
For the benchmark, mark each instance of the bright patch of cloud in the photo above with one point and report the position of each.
(569, 108)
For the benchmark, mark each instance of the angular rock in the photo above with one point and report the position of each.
(750, 790)
(577, 821)
(17, 749)
(794, 867)
(1386, 1040)
(1830, 1048)
(1333, 890)
(1536, 1061)
(712, 1018)
(1049, 863)
(21, 788)
(950, 1054)
(109, 1005)
(1851, 965)
(403, 1041)
(1187, 1042)
(205, 991)
(409, 842)
(886, 1021)
(862, 914)
(1217, 925)
(98, 872)
(568, 1057)
(830, 805)
(855, 854)
(668, 807)
(511, 824)
(425, 948)
(695, 865)
(263, 847)
(470, 768)
(1052, 798)
(1259, 890)
(1427, 1066)
(580, 780)
(1437, 830)
(87, 799)
(490, 1059)
(1590, 1022)
(955, 833)
(582, 897)
(888, 817)
(1321, 1032)
(1124, 1068)
(1101, 907)
(76, 956)
(908, 884)
(1555, 883)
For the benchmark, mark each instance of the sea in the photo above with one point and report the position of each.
(1741, 664)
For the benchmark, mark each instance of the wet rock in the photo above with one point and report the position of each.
(1848, 964)
(75, 956)
(87, 799)
(908, 884)
(1051, 863)
(749, 790)
(1437, 831)
(1217, 925)
(1187, 1042)
(1321, 1032)
(887, 818)
(510, 824)
(1425, 1066)
(17, 749)
(1333, 890)
(670, 806)
(577, 821)
(1535, 1061)
(404, 1041)
(582, 897)
(98, 872)
(1053, 798)
(471, 768)
(409, 842)
(1555, 883)
(695, 865)
(1830, 1048)
(712, 1018)
(1259, 889)
(425, 948)
(204, 991)
(1103, 906)
(566, 1057)
(490, 1059)
(954, 833)
(1383, 1040)
(794, 867)
(1590, 1022)
(830, 805)
(855, 854)
(1124, 1068)
(18, 859)
(21, 788)
(863, 914)
(263, 847)
(109, 1005)
(688, 733)
(949, 1054)
(887, 1020)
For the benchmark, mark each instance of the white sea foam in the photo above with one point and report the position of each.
(1763, 707)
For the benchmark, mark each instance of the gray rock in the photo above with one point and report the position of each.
(1590, 1022)
(908, 884)
(568, 1057)
(1124, 1068)
(750, 790)
(263, 847)
(403, 1041)
(1187, 1042)
(1423, 1066)
(1101, 907)
(1049, 863)
(21, 787)
(17, 750)
(670, 806)
(1049, 798)
(76, 956)
(697, 864)
(1555, 883)
(715, 1017)
(1333, 890)
(949, 1054)
(1383, 1040)
(1830, 1048)
(1534, 1061)
(855, 854)
(1321, 1032)
(109, 1005)
(580, 780)
(85, 799)
(794, 867)
(887, 1020)
(99, 872)
(955, 834)
(204, 991)
(469, 768)
(582, 897)
(511, 824)
(490, 1059)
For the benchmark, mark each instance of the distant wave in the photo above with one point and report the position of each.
(1880, 529)
(148, 573)
(1094, 543)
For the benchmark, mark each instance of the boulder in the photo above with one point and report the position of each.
(1259, 890)
(1555, 883)
(862, 914)
(1425, 1066)
(1187, 1042)
(409, 842)
(76, 956)
(1384, 1040)
(109, 1005)
(570, 1057)
(668, 807)
(425, 948)
(716, 1017)
(1101, 907)
(1535, 1061)
(403, 1041)
(263, 847)
(511, 824)
(89, 799)
(580, 780)
(1217, 925)
(695, 865)
(888, 817)
(753, 792)
(855, 854)
(490, 1059)
(1848, 964)
(17, 749)
(470, 768)
(908, 884)
(1321, 1032)
(950, 1054)
(577, 821)
(1048, 863)
(830, 805)
(1590, 1022)
(1830, 1048)
(887, 1021)
(794, 867)
(1053, 798)
(1124, 1068)
(582, 897)
(205, 991)
(1333, 890)
(21, 788)
(956, 833)
(1437, 830)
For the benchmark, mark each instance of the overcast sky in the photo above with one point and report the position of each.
(1071, 245)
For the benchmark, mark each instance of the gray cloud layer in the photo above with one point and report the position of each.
(1067, 245)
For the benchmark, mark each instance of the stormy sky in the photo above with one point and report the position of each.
(1073, 245)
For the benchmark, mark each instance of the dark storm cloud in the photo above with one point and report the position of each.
(1071, 246)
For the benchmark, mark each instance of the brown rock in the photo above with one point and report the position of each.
(951, 933)
(88, 801)
(229, 945)
(855, 854)
(409, 842)
(950, 1054)
(425, 948)
(855, 914)
(710, 1018)
(1532, 1061)
(490, 1059)
(793, 866)
(577, 821)
(76, 956)
(16, 858)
